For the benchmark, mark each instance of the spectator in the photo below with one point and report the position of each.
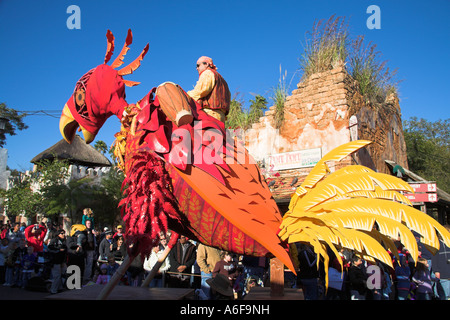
(337, 277)
(14, 234)
(88, 215)
(19, 253)
(221, 288)
(308, 274)
(3, 251)
(51, 232)
(357, 279)
(58, 249)
(111, 265)
(35, 234)
(4, 231)
(182, 258)
(103, 277)
(76, 246)
(119, 249)
(255, 267)
(28, 265)
(102, 235)
(227, 267)
(10, 264)
(163, 241)
(403, 274)
(386, 282)
(207, 258)
(91, 246)
(119, 233)
(422, 278)
(149, 263)
(105, 246)
(441, 264)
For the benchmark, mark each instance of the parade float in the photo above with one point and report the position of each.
(184, 173)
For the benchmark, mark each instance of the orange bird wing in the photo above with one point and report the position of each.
(244, 200)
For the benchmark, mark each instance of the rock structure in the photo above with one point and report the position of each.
(325, 111)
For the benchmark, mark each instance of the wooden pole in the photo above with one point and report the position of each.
(173, 241)
(276, 277)
(156, 267)
(115, 278)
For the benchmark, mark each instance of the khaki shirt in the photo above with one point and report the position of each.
(207, 257)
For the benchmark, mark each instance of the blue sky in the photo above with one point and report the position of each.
(42, 59)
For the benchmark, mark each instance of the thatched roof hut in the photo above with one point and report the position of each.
(78, 153)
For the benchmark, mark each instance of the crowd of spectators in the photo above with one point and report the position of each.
(44, 251)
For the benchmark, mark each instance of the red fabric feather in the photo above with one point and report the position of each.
(148, 204)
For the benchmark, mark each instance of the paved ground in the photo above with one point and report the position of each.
(8, 293)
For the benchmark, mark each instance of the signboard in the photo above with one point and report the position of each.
(424, 187)
(421, 197)
(295, 159)
(423, 192)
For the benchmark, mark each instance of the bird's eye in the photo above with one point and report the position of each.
(80, 96)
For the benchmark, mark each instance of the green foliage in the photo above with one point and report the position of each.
(280, 93)
(330, 45)
(51, 172)
(69, 198)
(101, 146)
(428, 149)
(20, 199)
(325, 47)
(108, 194)
(56, 193)
(240, 118)
(15, 122)
(257, 107)
(59, 195)
(236, 116)
(375, 80)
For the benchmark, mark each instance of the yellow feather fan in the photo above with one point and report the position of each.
(356, 208)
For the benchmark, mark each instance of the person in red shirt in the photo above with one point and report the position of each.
(35, 234)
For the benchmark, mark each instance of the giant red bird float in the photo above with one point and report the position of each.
(184, 174)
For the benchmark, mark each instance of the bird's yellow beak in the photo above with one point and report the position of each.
(68, 127)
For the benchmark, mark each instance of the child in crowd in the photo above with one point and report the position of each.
(103, 277)
(28, 264)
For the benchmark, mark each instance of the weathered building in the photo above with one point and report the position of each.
(325, 111)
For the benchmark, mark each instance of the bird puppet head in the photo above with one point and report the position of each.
(99, 94)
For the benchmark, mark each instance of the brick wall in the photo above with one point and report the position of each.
(318, 115)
